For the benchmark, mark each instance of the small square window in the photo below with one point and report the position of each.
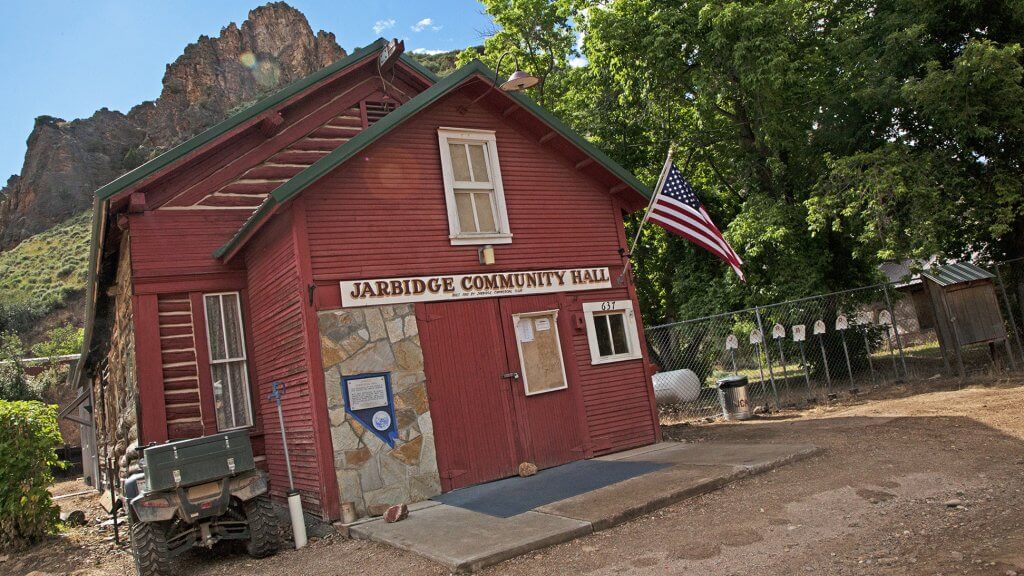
(473, 189)
(611, 331)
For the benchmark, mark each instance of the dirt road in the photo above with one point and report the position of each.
(926, 483)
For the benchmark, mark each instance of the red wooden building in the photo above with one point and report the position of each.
(433, 268)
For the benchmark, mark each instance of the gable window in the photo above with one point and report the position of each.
(472, 184)
(229, 372)
(611, 331)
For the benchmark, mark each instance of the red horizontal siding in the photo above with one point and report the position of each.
(384, 214)
(279, 354)
(173, 244)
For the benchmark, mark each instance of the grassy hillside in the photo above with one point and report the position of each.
(441, 64)
(44, 272)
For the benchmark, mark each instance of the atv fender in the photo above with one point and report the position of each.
(248, 486)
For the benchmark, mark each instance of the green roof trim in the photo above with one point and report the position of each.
(340, 155)
(174, 154)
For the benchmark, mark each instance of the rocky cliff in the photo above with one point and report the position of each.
(67, 161)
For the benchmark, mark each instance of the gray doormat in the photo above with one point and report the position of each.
(513, 496)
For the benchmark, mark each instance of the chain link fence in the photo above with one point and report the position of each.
(812, 350)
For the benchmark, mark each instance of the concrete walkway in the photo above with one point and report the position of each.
(466, 541)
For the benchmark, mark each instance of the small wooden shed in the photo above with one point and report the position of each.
(966, 306)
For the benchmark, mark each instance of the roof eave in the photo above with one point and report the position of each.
(339, 156)
(247, 117)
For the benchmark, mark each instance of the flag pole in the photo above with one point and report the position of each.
(647, 212)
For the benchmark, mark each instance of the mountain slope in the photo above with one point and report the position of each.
(67, 161)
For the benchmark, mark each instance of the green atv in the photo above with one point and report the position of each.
(198, 492)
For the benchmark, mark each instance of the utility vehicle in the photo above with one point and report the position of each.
(198, 492)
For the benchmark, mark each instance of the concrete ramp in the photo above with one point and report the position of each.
(466, 541)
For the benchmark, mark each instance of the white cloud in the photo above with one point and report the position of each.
(578, 62)
(428, 51)
(382, 25)
(424, 24)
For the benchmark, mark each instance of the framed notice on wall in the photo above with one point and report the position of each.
(369, 401)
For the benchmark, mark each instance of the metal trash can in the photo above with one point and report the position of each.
(732, 395)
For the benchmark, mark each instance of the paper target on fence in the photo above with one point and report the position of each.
(884, 318)
(778, 331)
(756, 337)
(819, 327)
(841, 322)
(731, 342)
(799, 333)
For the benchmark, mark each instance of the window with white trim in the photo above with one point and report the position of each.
(472, 185)
(611, 331)
(225, 339)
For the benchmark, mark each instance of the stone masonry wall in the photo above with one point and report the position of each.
(118, 429)
(379, 339)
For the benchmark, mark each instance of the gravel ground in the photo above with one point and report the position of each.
(913, 481)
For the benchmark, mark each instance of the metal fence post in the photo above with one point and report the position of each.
(896, 329)
(771, 373)
(1009, 313)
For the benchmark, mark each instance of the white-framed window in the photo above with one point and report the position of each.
(540, 352)
(229, 372)
(472, 187)
(611, 331)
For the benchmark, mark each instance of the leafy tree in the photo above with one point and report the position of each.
(824, 137)
(13, 384)
(60, 341)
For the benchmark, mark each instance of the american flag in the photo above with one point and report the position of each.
(676, 208)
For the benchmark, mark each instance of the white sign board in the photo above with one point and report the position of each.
(756, 337)
(799, 333)
(542, 324)
(778, 331)
(374, 292)
(369, 392)
(731, 342)
(884, 318)
(842, 323)
(524, 328)
(819, 327)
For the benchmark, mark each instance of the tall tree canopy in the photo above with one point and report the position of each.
(825, 136)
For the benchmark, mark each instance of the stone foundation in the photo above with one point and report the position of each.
(379, 339)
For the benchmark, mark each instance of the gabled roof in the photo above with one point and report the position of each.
(105, 193)
(957, 273)
(322, 167)
(252, 112)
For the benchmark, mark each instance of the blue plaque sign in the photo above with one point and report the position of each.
(368, 399)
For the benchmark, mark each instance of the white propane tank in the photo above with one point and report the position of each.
(676, 386)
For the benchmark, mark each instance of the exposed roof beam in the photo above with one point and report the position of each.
(508, 111)
(270, 123)
(547, 137)
(584, 163)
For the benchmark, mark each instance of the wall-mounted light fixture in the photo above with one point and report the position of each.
(518, 81)
(486, 254)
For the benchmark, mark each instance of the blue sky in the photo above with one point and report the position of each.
(68, 58)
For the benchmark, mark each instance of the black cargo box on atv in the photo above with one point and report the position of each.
(197, 460)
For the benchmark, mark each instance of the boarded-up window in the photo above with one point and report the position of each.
(228, 369)
(540, 352)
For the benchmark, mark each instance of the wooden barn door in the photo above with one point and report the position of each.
(539, 349)
(470, 401)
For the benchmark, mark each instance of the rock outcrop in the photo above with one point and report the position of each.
(67, 161)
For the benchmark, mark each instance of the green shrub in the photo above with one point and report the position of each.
(29, 437)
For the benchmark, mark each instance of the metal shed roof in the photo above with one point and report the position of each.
(957, 273)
